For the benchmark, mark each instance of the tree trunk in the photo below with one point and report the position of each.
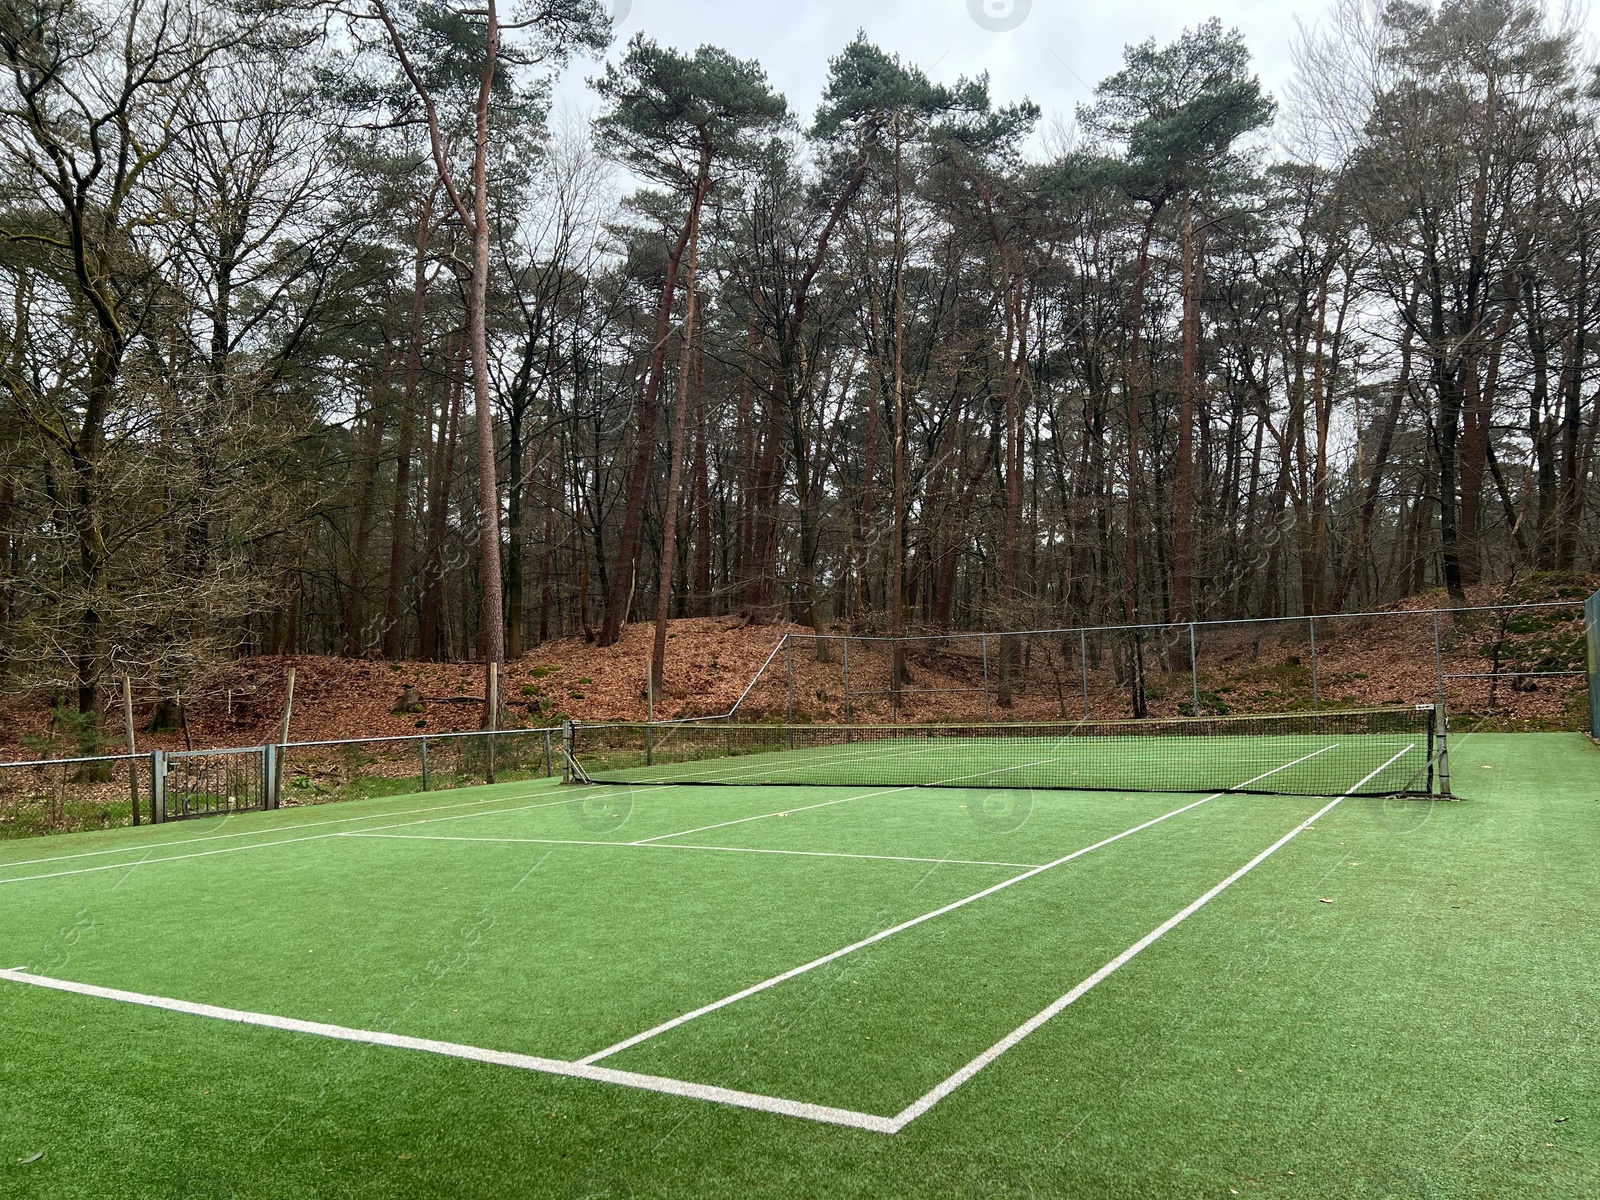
(1183, 520)
(394, 603)
(680, 425)
(1131, 534)
(630, 540)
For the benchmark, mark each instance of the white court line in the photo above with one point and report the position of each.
(584, 1069)
(915, 921)
(937, 1093)
(633, 790)
(267, 845)
(910, 787)
(212, 837)
(315, 837)
(424, 837)
(527, 1062)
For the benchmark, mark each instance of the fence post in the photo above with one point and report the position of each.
(1438, 664)
(847, 735)
(1083, 659)
(788, 662)
(1591, 624)
(424, 762)
(1194, 671)
(985, 640)
(127, 729)
(158, 787)
(1316, 697)
(547, 767)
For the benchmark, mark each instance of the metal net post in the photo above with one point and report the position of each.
(1441, 731)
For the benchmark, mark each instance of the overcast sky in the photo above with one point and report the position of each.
(1054, 51)
(1055, 54)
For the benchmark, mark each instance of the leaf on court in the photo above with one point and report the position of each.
(1561, 1119)
(31, 1158)
(1323, 900)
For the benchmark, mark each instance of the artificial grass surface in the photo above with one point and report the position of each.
(1418, 1036)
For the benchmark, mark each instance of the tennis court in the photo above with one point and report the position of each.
(884, 963)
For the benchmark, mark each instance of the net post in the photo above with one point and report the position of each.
(566, 751)
(547, 766)
(424, 762)
(1083, 660)
(269, 793)
(985, 679)
(1194, 671)
(1441, 734)
(158, 787)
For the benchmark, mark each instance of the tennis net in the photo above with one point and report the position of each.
(1300, 754)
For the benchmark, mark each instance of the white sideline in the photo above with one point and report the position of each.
(783, 977)
(939, 1091)
(526, 1062)
(427, 837)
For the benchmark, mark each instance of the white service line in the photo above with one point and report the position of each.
(909, 787)
(939, 1091)
(526, 1062)
(753, 989)
(425, 837)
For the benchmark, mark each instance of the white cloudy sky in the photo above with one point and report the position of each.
(1055, 56)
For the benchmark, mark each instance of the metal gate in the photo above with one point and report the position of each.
(209, 783)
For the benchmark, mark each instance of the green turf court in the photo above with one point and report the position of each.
(645, 989)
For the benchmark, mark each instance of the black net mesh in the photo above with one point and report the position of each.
(1357, 752)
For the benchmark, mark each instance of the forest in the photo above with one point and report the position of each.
(326, 331)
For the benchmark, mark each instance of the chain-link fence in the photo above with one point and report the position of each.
(1510, 667)
(65, 795)
(1506, 667)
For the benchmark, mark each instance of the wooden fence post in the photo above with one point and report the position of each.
(127, 730)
